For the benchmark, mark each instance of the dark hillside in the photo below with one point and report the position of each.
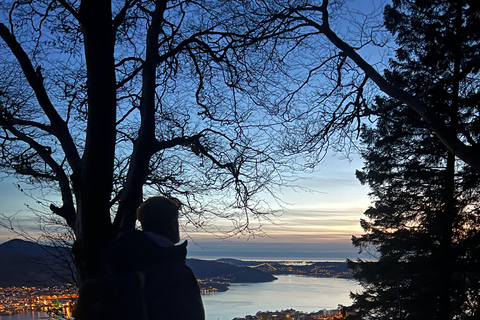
(204, 269)
(22, 246)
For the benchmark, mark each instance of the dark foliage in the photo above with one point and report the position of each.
(423, 225)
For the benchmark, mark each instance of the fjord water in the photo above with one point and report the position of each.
(305, 294)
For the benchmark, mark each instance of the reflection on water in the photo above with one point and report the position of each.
(28, 315)
(305, 294)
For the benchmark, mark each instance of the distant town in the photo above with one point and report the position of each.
(60, 301)
(295, 315)
(54, 300)
(312, 269)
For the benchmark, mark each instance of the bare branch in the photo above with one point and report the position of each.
(67, 211)
(69, 8)
(58, 125)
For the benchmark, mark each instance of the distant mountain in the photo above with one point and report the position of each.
(22, 246)
(24, 263)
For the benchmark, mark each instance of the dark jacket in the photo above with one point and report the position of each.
(147, 282)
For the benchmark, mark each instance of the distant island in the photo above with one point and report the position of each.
(217, 275)
(305, 268)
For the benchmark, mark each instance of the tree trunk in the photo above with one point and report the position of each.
(445, 256)
(93, 227)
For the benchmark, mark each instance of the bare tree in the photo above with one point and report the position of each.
(110, 101)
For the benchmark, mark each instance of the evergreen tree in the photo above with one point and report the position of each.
(423, 224)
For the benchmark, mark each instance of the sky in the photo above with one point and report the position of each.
(316, 225)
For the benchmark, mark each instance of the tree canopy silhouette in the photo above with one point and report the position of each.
(423, 225)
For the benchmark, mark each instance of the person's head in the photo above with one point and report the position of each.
(160, 215)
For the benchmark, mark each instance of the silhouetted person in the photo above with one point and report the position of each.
(148, 275)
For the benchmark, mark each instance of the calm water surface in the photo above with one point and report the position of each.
(300, 293)
(306, 294)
